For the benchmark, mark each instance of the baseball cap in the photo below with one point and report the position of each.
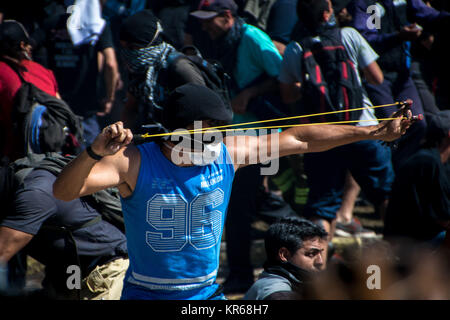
(12, 31)
(208, 9)
(193, 102)
(438, 125)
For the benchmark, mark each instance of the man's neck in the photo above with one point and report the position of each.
(167, 152)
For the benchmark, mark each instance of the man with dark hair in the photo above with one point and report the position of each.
(295, 250)
(419, 208)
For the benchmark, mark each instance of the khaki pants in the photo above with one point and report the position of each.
(105, 282)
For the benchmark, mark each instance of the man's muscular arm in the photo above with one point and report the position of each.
(315, 138)
(85, 175)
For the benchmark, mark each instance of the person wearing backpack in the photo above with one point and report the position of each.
(84, 253)
(304, 64)
(391, 26)
(154, 69)
(16, 53)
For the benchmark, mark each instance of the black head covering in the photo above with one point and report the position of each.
(11, 34)
(193, 102)
(141, 29)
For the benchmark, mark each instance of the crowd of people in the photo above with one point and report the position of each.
(134, 66)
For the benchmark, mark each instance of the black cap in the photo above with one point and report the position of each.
(193, 102)
(140, 29)
(13, 32)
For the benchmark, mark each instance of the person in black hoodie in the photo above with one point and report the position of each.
(295, 253)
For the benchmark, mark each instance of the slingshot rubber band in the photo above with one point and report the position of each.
(219, 128)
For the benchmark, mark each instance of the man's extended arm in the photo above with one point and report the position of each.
(316, 138)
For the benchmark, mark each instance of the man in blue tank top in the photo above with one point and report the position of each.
(174, 199)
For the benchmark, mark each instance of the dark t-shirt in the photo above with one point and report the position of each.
(35, 206)
(420, 198)
(76, 68)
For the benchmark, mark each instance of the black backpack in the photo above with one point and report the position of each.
(330, 80)
(106, 202)
(44, 123)
(212, 72)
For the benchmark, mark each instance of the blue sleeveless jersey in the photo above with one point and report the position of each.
(174, 221)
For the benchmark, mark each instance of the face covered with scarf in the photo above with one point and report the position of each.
(144, 52)
(138, 59)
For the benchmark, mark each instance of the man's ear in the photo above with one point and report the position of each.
(23, 45)
(283, 254)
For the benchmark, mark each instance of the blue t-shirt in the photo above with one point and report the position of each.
(174, 222)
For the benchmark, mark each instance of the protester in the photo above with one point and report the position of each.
(16, 56)
(368, 161)
(397, 28)
(78, 70)
(61, 235)
(419, 208)
(175, 214)
(294, 250)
